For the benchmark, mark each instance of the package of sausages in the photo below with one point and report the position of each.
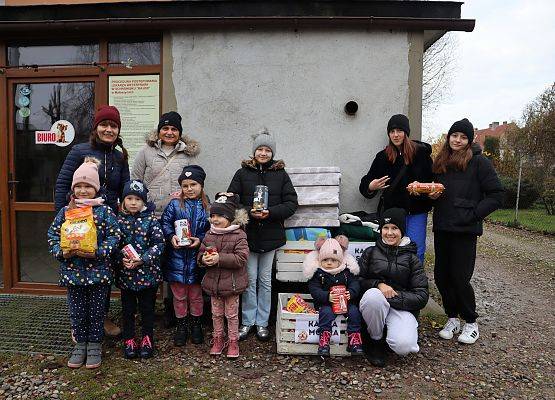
(425, 188)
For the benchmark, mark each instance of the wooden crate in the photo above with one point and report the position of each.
(285, 331)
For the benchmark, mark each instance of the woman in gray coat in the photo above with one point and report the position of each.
(158, 164)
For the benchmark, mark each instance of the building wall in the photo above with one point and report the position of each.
(229, 85)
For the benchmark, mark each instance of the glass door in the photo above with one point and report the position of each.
(48, 117)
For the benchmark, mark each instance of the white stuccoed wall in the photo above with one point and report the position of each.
(229, 85)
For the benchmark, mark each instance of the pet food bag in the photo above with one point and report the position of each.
(78, 232)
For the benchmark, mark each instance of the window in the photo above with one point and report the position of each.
(141, 53)
(53, 54)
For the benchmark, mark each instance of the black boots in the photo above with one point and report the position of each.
(181, 332)
(375, 352)
(196, 330)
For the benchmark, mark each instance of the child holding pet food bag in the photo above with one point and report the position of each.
(139, 273)
(83, 237)
(333, 284)
(184, 223)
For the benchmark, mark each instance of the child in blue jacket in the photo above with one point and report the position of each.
(86, 276)
(180, 268)
(138, 278)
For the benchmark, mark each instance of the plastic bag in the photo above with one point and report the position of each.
(78, 232)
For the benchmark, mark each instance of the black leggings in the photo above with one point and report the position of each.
(146, 300)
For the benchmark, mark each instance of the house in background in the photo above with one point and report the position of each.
(229, 68)
(495, 130)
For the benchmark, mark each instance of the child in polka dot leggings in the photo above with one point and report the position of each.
(86, 276)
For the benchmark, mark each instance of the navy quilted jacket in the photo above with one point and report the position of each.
(77, 271)
(144, 232)
(113, 172)
(181, 264)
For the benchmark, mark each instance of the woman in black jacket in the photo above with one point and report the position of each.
(265, 230)
(472, 191)
(403, 161)
(395, 288)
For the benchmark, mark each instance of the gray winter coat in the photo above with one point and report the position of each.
(160, 172)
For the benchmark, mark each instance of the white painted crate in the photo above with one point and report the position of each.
(285, 331)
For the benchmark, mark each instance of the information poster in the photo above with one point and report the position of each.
(137, 97)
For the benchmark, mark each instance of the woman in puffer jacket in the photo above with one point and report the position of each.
(395, 288)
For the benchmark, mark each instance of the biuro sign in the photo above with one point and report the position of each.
(61, 134)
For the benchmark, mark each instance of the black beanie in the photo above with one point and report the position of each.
(225, 204)
(395, 216)
(463, 126)
(399, 121)
(172, 119)
(135, 187)
(194, 172)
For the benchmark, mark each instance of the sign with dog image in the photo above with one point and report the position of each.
(61, 134)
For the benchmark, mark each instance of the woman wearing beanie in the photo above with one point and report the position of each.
(472, 192)
(402, 161)
(394, 287)
(113, 170)
(265, 231)
(158, 164)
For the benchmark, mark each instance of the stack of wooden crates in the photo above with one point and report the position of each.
(318, 195)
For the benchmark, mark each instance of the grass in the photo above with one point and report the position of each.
(534, 219)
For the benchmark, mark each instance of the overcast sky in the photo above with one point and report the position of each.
(501, 66)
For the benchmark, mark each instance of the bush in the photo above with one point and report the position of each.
(528, 193)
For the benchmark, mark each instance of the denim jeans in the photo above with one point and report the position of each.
(416, 230)
(257, 298)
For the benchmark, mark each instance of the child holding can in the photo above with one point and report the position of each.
(86, 275)
(180, 268)
(333, 284)
(139, 273)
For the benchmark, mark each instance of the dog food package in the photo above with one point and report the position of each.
(425, 188)
(260, 201)
(296, 304)
(78, 232)
(130, 252)
(183, 232)
(341, 306)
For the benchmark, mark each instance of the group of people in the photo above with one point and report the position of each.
(230, 248)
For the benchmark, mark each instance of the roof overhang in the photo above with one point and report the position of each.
(76, 19)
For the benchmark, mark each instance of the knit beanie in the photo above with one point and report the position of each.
(194, 172)
(87, 173)
(135, 187)
(264, 139)
(331, 249)
(399, 121)
(107, 113)
(395, 216)
(225, 204)
(172, 119)
(462, 126)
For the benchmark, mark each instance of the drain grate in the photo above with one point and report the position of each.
(36, 324)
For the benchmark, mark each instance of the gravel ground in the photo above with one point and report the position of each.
(513, 359)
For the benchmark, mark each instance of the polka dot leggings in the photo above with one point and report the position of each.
(87, 311)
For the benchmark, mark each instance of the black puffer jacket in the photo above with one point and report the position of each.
(268, 234)
(398, 267)
(321, 282)
(419, 170)
(469, 196)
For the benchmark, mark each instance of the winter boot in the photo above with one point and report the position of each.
(218, 345)
(78, 355)
(233, 349)
(181, 332)
(196, 330)
(324, 345)
(169, 314)
(94, 355)
(375, 352)
(147, 347)
(355, 343)
(130, 348)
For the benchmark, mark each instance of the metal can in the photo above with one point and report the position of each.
(260, 201)
(183, 232)
(339, 307)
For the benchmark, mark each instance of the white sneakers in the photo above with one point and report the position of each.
(452, 327)
(469, 333)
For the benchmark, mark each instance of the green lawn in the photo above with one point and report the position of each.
(535, 219)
